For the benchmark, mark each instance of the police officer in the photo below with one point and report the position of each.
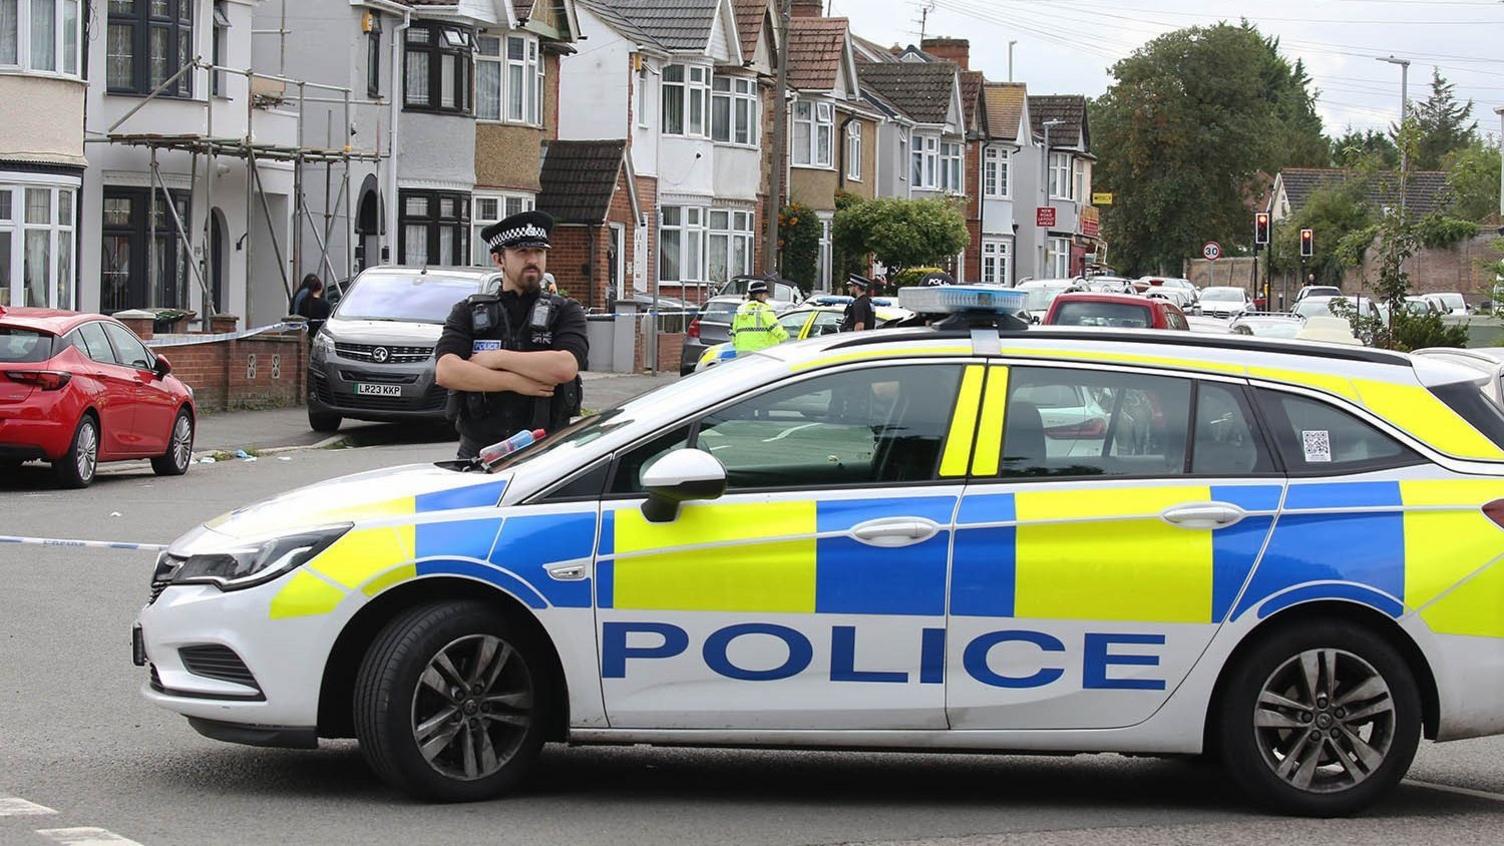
(511, 360)
(860, 317)
(755, 326)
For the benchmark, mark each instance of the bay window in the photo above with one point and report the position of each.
(435, 228)
(995, 255)
(37, 244)
(41, 35)
(491, 209)
(814, 132)
(950, 168)
(686, 98)
(733, 111)
(997, 166)
(438, 68)
(730, 251)
(925, 164)
(681, 244)
(1060, 176)
(854, 150)
(149, 41)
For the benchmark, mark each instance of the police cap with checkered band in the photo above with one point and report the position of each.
(528, 230)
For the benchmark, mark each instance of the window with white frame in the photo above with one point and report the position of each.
(41, 35)
(950, 168)
(924, 172)
(825, 254)
(1060, 176)
(491, 209)
(1078, 180)
(508, 80)
(994, 261)
(1057, 257)
(730, 244)
(814, 132)
(681, 244)
(854, 150)
(642, 95)
(903, 153)
(997, 172)
(37, 245)
(686, 96)
(733, 111)
(222, 43)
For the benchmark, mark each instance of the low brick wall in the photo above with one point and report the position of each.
(670, 347)
(262, 371)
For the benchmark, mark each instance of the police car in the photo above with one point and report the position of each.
(1283, 554)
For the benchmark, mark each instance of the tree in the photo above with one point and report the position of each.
(799, 245)
(1334, 213)
(1444, 125)
(1473, 177)
(902, 233)
(1190, 122)
(1354, 149)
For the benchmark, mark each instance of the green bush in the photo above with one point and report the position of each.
(909, 277)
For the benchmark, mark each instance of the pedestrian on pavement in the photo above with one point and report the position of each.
(860, 317)
(313, 306)
(511, 360)
(302, 293)
(755, 326)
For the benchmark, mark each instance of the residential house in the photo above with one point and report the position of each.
(833, 132)
(182, 222)
(1073, 242)
(591, 190)
(1006, 182)
(42, 87)
(672, 78)
(1426, 191)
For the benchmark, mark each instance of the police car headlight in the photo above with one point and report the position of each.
(249, 565)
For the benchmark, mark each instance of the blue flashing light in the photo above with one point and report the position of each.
(963, 299)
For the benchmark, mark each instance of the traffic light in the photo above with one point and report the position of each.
(1261, 229)
(1307, 243)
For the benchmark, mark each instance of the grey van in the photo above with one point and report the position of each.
(374, 359)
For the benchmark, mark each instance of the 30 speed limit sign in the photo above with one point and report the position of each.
(1211, 251)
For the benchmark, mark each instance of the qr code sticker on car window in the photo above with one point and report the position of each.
(1317, 446)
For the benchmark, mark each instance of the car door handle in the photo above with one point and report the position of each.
(1204, 515)
(893, 532)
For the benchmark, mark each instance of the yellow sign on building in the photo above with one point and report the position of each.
(1101, 199)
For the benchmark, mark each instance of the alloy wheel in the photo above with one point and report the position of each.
(182, 441)
(472, 707)
(86, 454)
(1325, 721)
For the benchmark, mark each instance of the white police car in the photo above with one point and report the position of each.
(1285, 554)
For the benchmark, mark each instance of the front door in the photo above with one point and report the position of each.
(812, 595)
(1099, 549)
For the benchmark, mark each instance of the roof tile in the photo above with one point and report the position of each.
(817, 47)
(579, 179)
(671, 24)
(921, 89)
(1069, 109)
(1426, 191)
(1005, 106)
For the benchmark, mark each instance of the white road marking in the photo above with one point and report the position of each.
(86, 837)
(1461, 791)
(11, 806)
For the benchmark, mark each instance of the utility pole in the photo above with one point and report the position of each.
(1010, 60)
(1404, 114)
(1500, 112)
(771, 258)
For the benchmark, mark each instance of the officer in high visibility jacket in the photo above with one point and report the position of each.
(755, 326)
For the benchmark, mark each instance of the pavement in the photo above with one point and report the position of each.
(87, 759)
(288, 427)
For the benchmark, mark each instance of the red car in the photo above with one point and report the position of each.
(1118, 311)
(78, 389)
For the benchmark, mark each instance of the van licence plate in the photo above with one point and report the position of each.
(379, 390)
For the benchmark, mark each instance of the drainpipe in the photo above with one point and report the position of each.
(399, 38)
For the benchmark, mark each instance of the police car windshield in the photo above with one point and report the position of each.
(406, 298)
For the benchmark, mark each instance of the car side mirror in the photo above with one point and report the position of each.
(684, 475)
(162, 367)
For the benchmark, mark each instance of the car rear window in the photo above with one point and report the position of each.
(1472, 405)
(24, 346)
(1120, 315)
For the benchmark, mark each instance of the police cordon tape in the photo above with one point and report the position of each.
(189, 340)
(82, 544)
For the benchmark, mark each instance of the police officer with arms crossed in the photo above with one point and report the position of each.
(860, 316)
(755, 326)
(512, 360)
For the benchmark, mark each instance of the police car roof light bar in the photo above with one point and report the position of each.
(967, 306)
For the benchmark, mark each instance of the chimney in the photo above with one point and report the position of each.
(956, 50)
(807, 8)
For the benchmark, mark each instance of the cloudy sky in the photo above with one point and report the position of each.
(1067, 46)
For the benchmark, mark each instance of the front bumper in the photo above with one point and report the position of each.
(332, 381)
(285, 657)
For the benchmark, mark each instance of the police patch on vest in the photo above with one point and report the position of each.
(484, 346)
(543, 339)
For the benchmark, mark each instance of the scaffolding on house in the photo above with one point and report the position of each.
(211, 148)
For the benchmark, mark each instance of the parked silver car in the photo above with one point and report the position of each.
(374, 359)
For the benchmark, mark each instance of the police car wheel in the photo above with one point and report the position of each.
(1319, 720)
(450, 703)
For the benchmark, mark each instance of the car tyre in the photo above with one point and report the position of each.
(323, 422)
(1319, 720)
(450, 703)
(77, 467)
(179, 453)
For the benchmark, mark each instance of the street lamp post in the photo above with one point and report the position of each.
(1044, 185)
(1500, 112)
(1404, 113)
